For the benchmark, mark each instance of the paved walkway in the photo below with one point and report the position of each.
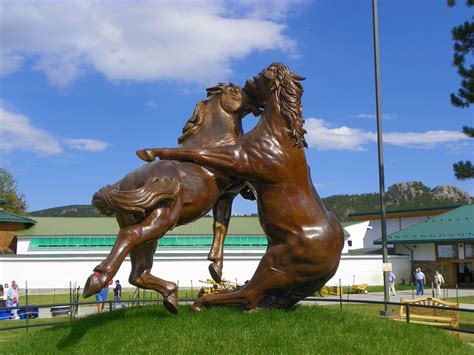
(405, 295)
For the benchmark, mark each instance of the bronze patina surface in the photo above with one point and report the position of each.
(304, 239)
(161, 195)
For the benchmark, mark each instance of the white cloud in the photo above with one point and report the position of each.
(152, 104)
(427, 139)
(321, 136)
(89, 145)
(149, 40)
(17, 132)
(324, 137)
(386, 116)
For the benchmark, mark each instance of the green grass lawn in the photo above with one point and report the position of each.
(38, 299)
(301, 330)
(465, 299)
(11, 335)
(466, 320)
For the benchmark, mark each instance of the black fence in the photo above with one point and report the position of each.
(69, 309)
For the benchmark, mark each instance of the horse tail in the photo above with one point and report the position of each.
(111, 199)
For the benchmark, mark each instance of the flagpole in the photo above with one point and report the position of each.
(378, 102)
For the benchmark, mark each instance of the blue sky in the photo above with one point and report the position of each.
(84, 84)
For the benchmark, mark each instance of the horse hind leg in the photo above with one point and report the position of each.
(142, 262)
(154, 226)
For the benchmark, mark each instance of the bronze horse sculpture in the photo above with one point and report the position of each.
(161, 195)
(304, 239)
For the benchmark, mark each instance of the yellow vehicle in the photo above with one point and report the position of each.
(329, 290)
(224, 286)
(362, 288)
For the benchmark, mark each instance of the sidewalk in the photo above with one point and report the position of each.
(405, 295)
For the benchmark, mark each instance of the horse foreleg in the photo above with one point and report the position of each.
(142, 262)
(232, 159)
(269, 278)
(154, 226)
(221, 211)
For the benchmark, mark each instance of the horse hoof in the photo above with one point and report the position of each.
(170, 301)
(94, 284)
(171, 304)
(144, 155)
(197, 307)
(216, 272)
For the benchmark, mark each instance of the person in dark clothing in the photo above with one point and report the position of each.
(118, 295)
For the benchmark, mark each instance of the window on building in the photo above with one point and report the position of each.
(469, 251)
(448, 251)
(349, 243)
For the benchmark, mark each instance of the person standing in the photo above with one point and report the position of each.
(420, 281)
(391, 282)
(102, 296)
(12, 299)
(118, 295)
(438, 280)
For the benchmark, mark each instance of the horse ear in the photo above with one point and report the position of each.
(214, 90)
(298, 77)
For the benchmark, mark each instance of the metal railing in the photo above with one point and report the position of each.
(70, 311)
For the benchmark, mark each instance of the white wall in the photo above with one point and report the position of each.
(393, 225)
(368, 269)
(55, 271)
(357, 234)
(421, 252)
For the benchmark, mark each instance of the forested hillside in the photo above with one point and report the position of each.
(409, 195)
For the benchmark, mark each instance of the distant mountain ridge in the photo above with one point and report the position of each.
(68, 211)
(405, 195)
(400, 196)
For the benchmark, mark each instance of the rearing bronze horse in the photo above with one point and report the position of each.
(304, 239)
(161, 195)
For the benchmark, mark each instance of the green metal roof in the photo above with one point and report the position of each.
(107, 226)
(51, 226)
(404, 210)
(453, 226)
(13, 218)
(174, 242)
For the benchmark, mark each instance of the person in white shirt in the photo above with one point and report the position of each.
(12, 299)
(420, 281)
(438, 280)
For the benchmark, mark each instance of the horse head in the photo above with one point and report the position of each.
(219, 114)
(279, 86)
(233, 99)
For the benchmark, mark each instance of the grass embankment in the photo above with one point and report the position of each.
(300, 330)
(466, 320)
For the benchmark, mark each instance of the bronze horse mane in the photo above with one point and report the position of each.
(289, 92)
(193, 124)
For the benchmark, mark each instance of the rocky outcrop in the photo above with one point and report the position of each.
(448, 192)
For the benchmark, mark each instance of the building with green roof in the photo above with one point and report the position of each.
(444, 242)
(10, 224)
(79, 234)
(57, 250)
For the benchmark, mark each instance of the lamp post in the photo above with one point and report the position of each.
(386, 312)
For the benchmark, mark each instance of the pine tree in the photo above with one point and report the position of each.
(464, 170)
(463, 36)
